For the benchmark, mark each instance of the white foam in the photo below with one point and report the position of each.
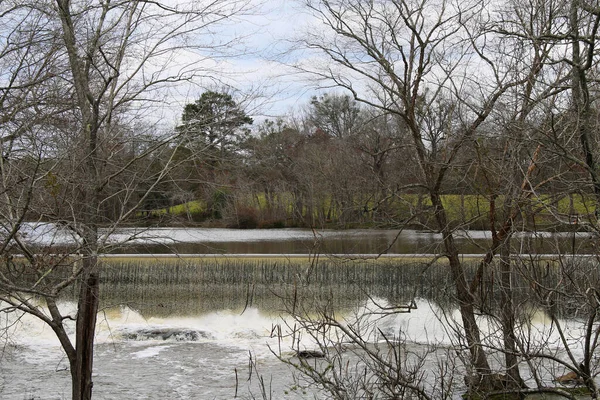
(149, 352)
(260, 333)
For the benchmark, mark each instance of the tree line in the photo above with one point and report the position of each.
(336, 162)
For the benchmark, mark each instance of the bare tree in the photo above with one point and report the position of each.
(449, 74)
(413, 57)
(80, 73)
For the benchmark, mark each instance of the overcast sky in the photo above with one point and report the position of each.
(257, 68)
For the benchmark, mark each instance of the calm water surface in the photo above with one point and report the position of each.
(303, 241)
(353, 241)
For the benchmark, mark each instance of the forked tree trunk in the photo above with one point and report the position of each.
(87, 307)
(464, 296)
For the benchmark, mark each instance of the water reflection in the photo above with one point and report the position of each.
(297, 241)
(303, 241)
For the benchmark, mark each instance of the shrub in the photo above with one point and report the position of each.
(272, 224)
(245, 218)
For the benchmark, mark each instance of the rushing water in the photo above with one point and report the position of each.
(201, 356)
(177, 357)
(182, 341)
(132, 362)
(204, 330)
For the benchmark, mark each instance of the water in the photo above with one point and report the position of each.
(305, 241)
(155, 357)
(145, 368)
(215, 340)
(201, 331)
(135, 360)
(355, 241)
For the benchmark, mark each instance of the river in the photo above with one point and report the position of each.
(305, 241)
(135, 358)
(215, 338)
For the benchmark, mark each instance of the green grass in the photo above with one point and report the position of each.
(461, 209)
(189, 208)
(582, 205)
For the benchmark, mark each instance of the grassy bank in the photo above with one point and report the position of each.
(544, 212)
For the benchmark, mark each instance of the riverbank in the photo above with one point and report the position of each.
(409, 211)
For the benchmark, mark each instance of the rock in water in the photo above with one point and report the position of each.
(310, 354)
(176, 334)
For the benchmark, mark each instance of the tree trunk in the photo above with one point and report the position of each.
(581, 102)
(81, 372)
(464, 295)
(508, 317)
(87, 307)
